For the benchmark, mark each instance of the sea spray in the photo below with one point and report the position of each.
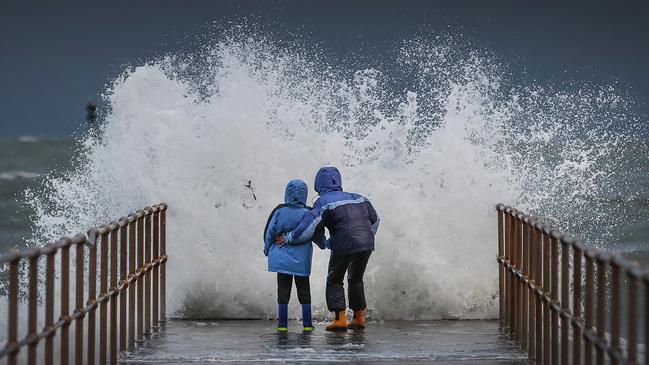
(217, 134)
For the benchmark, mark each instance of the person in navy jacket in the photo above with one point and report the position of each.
(294, 261)
(352, 223)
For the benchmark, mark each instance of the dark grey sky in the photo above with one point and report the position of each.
(54, 57)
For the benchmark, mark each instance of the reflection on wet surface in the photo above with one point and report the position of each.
(478, 342)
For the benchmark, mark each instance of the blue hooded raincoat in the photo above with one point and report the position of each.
(295, 259)
(350, 218)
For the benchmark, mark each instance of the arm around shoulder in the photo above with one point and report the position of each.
(310, 223)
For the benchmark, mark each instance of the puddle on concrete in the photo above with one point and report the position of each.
(478, 342)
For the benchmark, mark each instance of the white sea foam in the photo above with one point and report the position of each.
(434, 158)
(13, 175)
(28, 139)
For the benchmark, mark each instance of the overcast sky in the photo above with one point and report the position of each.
(55, 57)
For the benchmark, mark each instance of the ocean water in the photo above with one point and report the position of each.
(24, 163)
(435, 133)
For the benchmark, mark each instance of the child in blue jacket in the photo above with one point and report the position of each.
(294, 261)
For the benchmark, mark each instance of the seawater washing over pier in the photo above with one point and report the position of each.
(561, 302)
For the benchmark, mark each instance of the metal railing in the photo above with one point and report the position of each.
(128, 311)
(559, 297)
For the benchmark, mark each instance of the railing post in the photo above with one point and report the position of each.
(540, 259)
(49, 303)
(514, 266)
(602, 265)
(113, 290)
(589, 306)
(576, 301)
(554, 294)
(65, 299)
(92, 298)
(519, 278)
(156, 243)
(163, 265)
(565, 300)
(512, 280)
(547, 343)
(525, 272)
(33, 308)
(103, 289)
(78, 332)
(615, 310)
(501, 279)
(12, 310)
(533, 282)
(646, 319)
(147, 274)
(133, 281)
(633, 276)
(511, 305)
(140, 275)
(122, 284)
(506, 262)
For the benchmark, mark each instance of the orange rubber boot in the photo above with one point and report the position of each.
(339, 323)
(358, 321)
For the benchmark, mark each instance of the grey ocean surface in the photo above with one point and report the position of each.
(25, 161)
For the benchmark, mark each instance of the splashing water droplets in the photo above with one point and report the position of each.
(434, 157)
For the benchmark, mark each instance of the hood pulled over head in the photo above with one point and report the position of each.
(328, 179)
(296, 193)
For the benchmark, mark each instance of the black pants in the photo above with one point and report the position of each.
(354, 264)
(284, 285)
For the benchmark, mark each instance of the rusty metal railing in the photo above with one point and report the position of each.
(138, 244)
(558, 297)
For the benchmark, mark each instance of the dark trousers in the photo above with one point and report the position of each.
(284, 285)
(354, 264)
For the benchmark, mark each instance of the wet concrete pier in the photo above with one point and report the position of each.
(439, 342)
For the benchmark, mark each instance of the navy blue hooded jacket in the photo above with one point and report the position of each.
(296, 259)
(350, 218)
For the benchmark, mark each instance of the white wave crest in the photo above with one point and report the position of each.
(434, 158)
(13, 175)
